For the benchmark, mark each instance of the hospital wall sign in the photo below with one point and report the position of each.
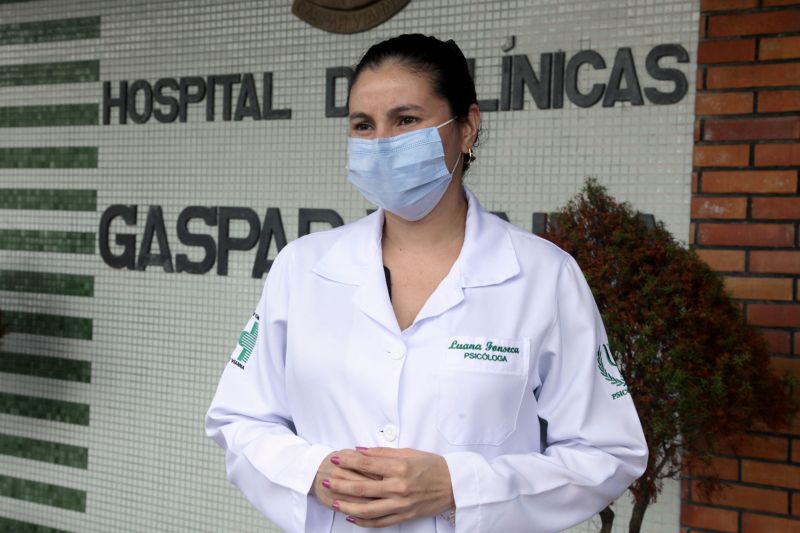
(236, 97)
(211, 242)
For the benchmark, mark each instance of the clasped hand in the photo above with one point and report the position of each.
(379, 487)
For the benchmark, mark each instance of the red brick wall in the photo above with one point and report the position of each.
(745, 213)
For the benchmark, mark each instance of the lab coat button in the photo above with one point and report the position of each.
(389, 432)
(397, 352)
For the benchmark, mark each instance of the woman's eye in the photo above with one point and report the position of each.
(407, 121)
(361, 126)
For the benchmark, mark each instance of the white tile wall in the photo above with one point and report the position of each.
(161, 340)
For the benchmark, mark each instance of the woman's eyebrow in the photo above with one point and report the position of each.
(404, 108)
(360, 115)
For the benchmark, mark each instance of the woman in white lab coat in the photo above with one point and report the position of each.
(429, 367)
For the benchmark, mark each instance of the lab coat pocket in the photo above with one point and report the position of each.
(481, 385)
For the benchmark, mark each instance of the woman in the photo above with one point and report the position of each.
(429, 367)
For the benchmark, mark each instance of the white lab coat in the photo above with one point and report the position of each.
(509, 338)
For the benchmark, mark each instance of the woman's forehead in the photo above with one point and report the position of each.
(392, 85)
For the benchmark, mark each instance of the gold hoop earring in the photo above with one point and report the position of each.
(469, 155)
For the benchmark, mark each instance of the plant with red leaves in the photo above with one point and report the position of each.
(697, 372)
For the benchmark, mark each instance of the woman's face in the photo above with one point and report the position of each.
(391, 100)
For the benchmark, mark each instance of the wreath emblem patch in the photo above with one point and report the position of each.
(610, 370)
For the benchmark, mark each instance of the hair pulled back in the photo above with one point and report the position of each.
(442, 62)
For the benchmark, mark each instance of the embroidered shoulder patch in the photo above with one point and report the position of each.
(610, 371)
(247, 342)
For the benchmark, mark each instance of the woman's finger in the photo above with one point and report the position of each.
(384, 521)
(326, 496)
(359, 488)
(332, 496)
(374, 466)
(352, 475)
(372, 509)
(389, 453)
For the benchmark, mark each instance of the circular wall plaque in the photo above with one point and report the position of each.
(346, 16)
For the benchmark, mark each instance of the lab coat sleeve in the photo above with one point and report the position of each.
(249, 417)
(595, 445)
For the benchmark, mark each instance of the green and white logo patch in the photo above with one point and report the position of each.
(610, 370)
(247, 342)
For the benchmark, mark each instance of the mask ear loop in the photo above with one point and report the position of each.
(455, 166)
(446, 122)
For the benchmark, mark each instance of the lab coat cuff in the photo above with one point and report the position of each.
(311, 463)
(464, 467)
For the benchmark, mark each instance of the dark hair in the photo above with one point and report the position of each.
(442, 62)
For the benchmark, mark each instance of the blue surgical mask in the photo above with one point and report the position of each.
(406, 174)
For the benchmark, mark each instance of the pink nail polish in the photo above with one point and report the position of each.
(335, 459)
(351, 519)
(326, 483)
(335, 506)
(361, 448)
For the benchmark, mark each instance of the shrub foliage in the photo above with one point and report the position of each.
(695, 369)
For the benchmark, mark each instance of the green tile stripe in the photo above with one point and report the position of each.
(45, 451)
(50, 157)
(15, 526)
(49, 73)
(31, 240)
(44, 493)
(53, 199)
(50, 30)
(35, 116)
(44, 408)
(69, 327)
(46, 283)
(46, 367)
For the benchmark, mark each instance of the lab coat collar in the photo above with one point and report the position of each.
(355, 253)
(356, 259)
(487, 256)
